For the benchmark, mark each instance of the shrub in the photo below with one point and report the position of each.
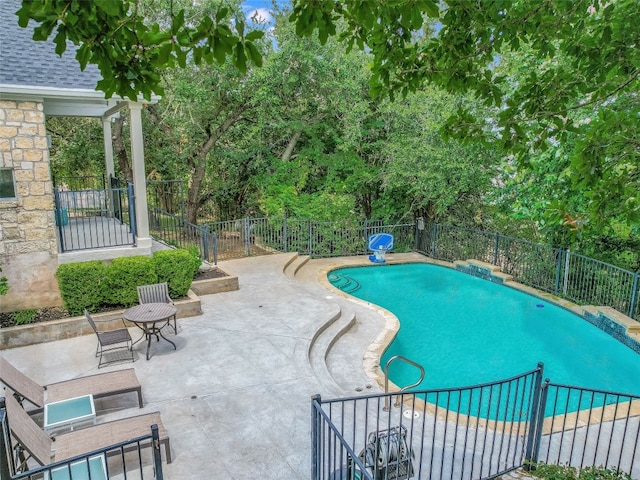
(4, 283)
(24, 316)
(82, 285)
(177, 268)
(124, 275)
(93, 285)
(566, 472)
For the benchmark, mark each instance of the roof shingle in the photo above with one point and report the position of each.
(25, 62)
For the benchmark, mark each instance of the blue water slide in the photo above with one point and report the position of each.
(379, 244)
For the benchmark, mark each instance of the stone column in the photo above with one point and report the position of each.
(28, 241)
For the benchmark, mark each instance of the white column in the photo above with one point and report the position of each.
(139, 176)
(108, 146)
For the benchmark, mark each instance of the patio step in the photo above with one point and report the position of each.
(321, 344)
(292, 267)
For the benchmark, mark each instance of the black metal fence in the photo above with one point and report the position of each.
(474, 433)
(580, 279)
(137, 458)
(566, 274)
(95, 218)
(177, 232)
(604, 429)
(260, 236)
(166, 195)
(263, 236)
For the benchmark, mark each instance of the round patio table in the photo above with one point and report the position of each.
(151, 318)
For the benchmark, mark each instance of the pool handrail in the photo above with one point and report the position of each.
(403, 389)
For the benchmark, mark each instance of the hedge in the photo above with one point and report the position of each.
(124, 275)
(82, 285)
(177, 268)
(94, 285)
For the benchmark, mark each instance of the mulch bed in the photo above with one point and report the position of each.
(41, 315)
(7, 319)
(209, 274)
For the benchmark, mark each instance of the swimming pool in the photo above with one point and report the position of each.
(465, 331)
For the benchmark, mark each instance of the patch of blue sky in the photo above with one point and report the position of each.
(261, 11)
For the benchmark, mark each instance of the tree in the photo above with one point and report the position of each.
(599, 66)
(586, 51)
(130, 51)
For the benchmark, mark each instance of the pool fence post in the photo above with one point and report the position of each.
(566, 271)
(538, 406)
(247, 236)
(310, 238)
(284, 232)
(496, 246)
(215, 248)
(131, 199)
(434, 240)
(204, 245)
(157, 457)
(418, 233)
(634, 294)
(5, 443)
(316, 401)
(558, 269)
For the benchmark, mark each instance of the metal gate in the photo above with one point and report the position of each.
(95, 218)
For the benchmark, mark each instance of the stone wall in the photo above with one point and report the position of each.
(28, 243)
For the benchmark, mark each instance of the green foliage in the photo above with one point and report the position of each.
(124, 275)
(566, 472)
(77, 146)
(576, 77)
(131, 52)
(82, 285)
(177, 268)
(540, 106)
(95, 285)
(4, 283)
(23, 317)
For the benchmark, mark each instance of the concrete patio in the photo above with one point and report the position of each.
(236, 395)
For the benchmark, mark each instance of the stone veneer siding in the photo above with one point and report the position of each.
(28, 243)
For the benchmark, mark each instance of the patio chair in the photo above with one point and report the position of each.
(100, 385)
(156, 293)
(38, 444)
(111, 340)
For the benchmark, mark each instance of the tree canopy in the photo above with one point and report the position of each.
(582, 56)
(429, 108)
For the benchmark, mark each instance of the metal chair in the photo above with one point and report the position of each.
(111, 340)
(156, 293)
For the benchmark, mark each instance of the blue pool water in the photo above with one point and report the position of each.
(465, 331)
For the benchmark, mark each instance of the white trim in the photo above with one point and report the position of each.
(65, 93)
(51, 92)
(114, 109)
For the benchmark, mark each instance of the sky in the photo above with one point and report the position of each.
(262, 8)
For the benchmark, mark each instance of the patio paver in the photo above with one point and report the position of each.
(235, 396)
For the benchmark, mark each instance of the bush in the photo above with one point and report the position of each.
(4, 283)
(124, 275)
(566, 472)
(82, 285)
(177, 268)
(24, 316)
(94, 285)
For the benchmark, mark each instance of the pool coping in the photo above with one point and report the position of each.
(600, 316)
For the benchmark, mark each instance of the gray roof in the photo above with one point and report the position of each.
(25, 62)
